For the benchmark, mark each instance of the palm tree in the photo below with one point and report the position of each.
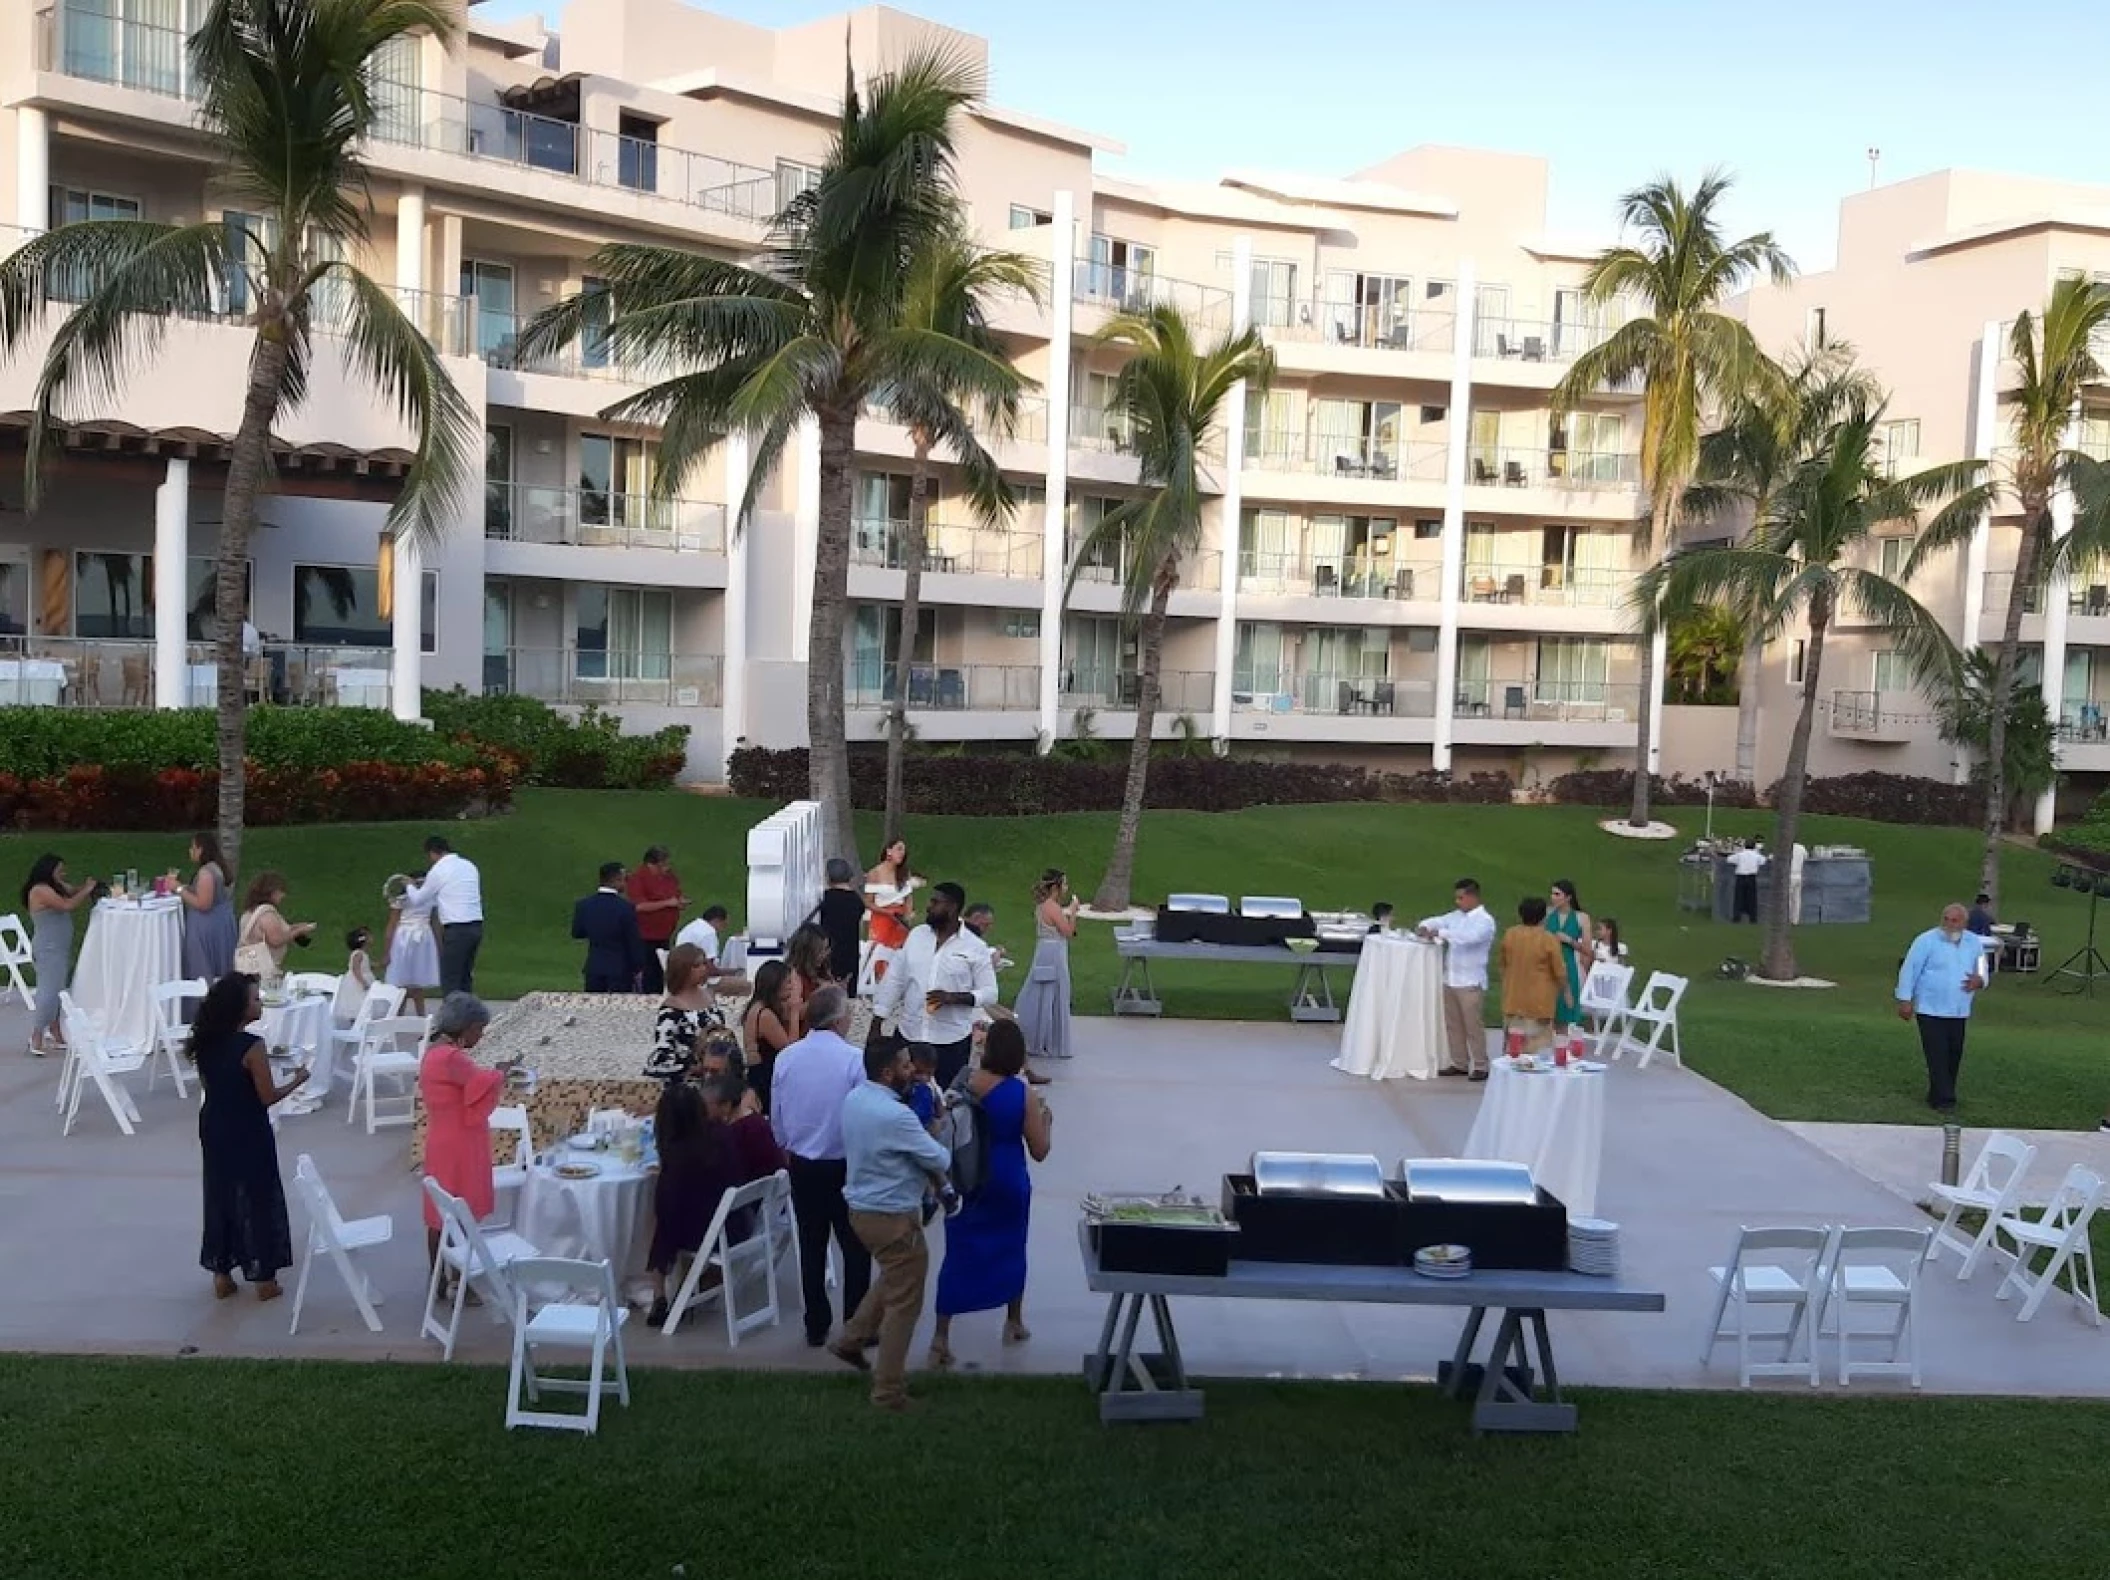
(287, 97)
(1764, 435)
(1172, 392)
(2029, 763)
(950, 290)
(814, 329)
(1796, 566)
(1687, 355)
(1700, 663)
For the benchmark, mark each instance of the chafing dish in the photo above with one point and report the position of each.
(1208, 904)
(1475, 1182)
(1271, 906)
(1317, 1174)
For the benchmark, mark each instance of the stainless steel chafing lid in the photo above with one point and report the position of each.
(1477, 1181)
(1271, 907)
(1211, 904)
(1317, 1173)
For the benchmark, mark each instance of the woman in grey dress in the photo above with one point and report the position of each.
(51, 904)
(208, 914)
(1044, 1002)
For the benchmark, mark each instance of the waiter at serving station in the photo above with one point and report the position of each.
(1468, 934)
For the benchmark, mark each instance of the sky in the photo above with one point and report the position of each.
(1788, 95)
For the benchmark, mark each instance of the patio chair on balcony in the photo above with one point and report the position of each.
(1482, 589)
(1384, 699)
(1400, 337)
(2098, 599)
(1514, 705)
(952, 689)
(1483, 471)
(1513, 474)
(1346, 698)
(1534, 348)
(1402, 583)
(84, 680)
(1348, 466)
(137, 678)
(1513, 590)
(1505, 347)
(1469, 706)
(1325, 580)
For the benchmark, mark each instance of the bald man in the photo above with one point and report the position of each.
(1942, 974)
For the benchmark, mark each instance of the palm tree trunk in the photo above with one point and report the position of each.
(1112, 894)
(2026, 551)
(248, 465)
(828, 748)
(1778, 963)
(1661, 516)
(1749, 673)
(905, 645)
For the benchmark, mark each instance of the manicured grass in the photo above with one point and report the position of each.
(2034, 1057)
(184, 1468)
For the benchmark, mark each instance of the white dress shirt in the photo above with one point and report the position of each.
(705, 937)
(453, 889)
(960, 964)
(1470, 935)
(1745, 863)
(807, 1086)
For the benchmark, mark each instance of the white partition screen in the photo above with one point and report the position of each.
(784, 871)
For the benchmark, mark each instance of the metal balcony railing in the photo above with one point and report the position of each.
(956, 688)
(576, 675)
(1199, 572)
(1531, 582)
(1493, 467)
(1126, 288)
(1534, 340)
(949, 548)
(1331, 692)
(1372, 326)
(601, 518)
(1536, 700)
(1179, 690)
(118, 672)
(1333, 576)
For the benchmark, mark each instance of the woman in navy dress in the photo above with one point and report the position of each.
(246, 1228)
(985, 1242)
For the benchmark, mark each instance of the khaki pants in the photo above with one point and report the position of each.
(1465, 1027)
(1537, 1034)
(894, 1304)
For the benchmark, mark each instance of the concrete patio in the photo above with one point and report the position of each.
(99, 1232)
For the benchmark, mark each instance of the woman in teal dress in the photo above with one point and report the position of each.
(1567, 921)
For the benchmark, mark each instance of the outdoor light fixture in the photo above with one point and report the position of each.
(2086, 963)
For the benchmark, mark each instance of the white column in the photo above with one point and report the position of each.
(1461, 419)
(410, 240)
(171, 585)
(404, 630)
(732, 682)
(32, 169)
(2056, 592)
(1660, 646)
(1054, 542)
(1983, 439)
(805, 539)
(1233, 496)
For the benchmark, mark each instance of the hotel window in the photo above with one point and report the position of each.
(396, 70)
(1892, 672)
(1022, 624)
(615, 480)
(1798, 657)
(1120, 271)
(794, 178)
(70, 206)
(1901, 445)
(624, 633)
(1024, 218)
(637, 153)
(1571, 669)
(1274, 291)
(340, 606)
(1895, 552)
(113, 596)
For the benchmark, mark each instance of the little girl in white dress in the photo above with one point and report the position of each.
(413, 952)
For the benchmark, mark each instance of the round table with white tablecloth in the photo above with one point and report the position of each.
(605, 1218)
(1549, 1120)
(132, 947)
(1395, 1010)
(31, 682)
(301, 1028)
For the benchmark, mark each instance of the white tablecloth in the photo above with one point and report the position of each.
(131, 949)
(302, 1027)
(1395, 1011)
(31, 682)
(601, 1219)
(1552, 1122)
(361, 688)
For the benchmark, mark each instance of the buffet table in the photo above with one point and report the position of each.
(1552, 1122)
(1395, 1011)
(132, 947)
(1134, 1386)
(1310, 999)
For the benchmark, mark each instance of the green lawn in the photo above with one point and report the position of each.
(2034, 1057)
(180, 1468)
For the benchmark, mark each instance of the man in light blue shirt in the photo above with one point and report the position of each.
(1942, 970)
(892, 1160)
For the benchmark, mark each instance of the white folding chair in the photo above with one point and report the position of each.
(1603, 1002)
(171, 1036)
(1656, 1009)
(1992, 1186)
(311, 982)
(512, 1177)
(1779, 1268)
(14, 955)
(757, 1254)
(594, 1324)
(1880, 1268)
(476, 1259)
(380, 1002)
(2062, 1230)
(391, 1048)
(93, 1059)
(329, 1234)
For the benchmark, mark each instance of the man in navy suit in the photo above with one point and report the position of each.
(607, 921)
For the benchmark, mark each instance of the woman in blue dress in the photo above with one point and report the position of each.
(985, 1242)
(1568, 922)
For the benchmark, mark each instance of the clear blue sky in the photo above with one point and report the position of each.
(1789, 95)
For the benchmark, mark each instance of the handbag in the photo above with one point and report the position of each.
(254, 959)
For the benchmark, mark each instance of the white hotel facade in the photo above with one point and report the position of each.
(1410, 561)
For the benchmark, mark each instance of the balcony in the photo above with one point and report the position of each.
(1201, 571)
(78, 672)
(1320, 576)
(1544, 586)
(1566, 470)
(956, 688)
(2084, 596)
(1370, 326)
(571, 675)
(1109, 690)
(1332, 694)
(1122, 288)
(1886, 717)
(597, 519)
(1544, 701)
(1346, 456)
(1532, 340)
(950, 548)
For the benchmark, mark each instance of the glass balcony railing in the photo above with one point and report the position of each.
(1532, 340)
(117, 672)
(2087, 594)
(949, 548)
(1201, 571)
(582, 675)
(1127, 289)
(1342, 694)
(1326, 576)
(1370, 325)
(1179, 690)
(1530, 582)
(1537, 700)
(1346, 455)
(1491, 467)
(2085, 720)
(601, 518)
(958, 688)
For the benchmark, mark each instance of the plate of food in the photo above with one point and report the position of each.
(577, 1170)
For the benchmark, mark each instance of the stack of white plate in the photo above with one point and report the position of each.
(1443, 1261)
(1593, 1247)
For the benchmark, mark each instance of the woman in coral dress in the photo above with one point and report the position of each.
(459, 1095)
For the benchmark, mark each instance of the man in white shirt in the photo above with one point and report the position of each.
(703, 932)
(944, 976)
(454, 889)
(1745, 864)
(809, 1081)
(1468, 933)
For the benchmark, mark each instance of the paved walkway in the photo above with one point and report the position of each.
(1905, 1158)
(99, 1232)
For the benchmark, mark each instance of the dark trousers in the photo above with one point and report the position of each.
(949, 1057)
(1743, 906)
(610, 982)
(652, 979)
(459, 942)
(817, 1203)
(1941, 1040)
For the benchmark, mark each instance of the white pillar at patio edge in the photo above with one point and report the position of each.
(1054, 539)
(1233, 505)
(805, 540)
(2056, 592)
(1985, 421)
(32, 168)
(171, 589)
(732, 675)
(405, 632)
(410, 242)
(1462, 330)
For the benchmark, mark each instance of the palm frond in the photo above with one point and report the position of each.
(1911, 627)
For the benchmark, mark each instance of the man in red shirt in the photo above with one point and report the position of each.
(655, 893)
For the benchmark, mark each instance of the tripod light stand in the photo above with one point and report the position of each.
(2086, 963)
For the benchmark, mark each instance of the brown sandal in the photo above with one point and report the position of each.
(222, 1286)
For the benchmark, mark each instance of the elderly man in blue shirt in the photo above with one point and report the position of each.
(1943, 970)
(892, 1160)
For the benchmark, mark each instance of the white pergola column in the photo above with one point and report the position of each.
(410, 240)
(739, 462)
(1054, 541)
(1233, 497)
(805, 540)
(1659, 645)
(1461, 419)
(32, 169)
(2056, 592)
(404, 630)
(171, 585)
(1983, 439)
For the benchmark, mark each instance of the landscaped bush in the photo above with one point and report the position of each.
(1614, 787)
(1014, 785)
(589, 752)
(128, 796)
(1893, 798)
(42, 743)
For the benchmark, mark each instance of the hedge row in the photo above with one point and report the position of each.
(1614, 787)
(589, 752)
(125, 797)
(42, 743)
(1893, 798)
